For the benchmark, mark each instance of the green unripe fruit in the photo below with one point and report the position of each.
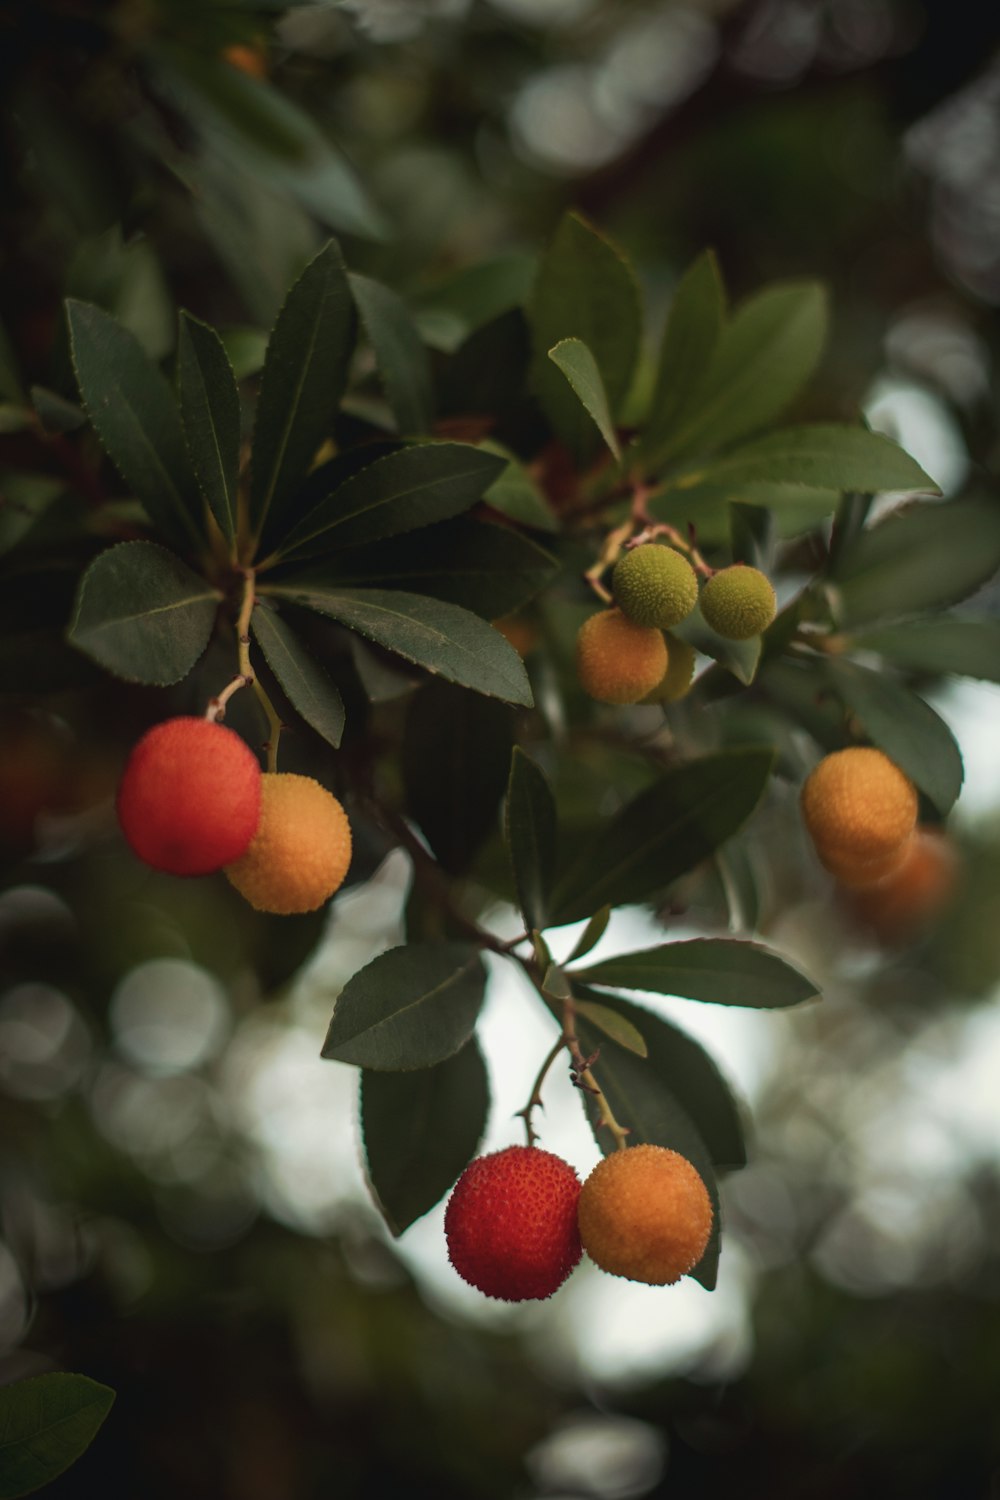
(655, 586)
(676, 680)
(738, 602)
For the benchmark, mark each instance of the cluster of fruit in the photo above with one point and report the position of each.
(623, 654)
(860, 811)
(518, 1220)
(193, 799)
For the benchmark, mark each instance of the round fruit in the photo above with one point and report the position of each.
(511, 1223)
(301, 851)
(858, 807)
(912, 898)
(738, 602)
(856, 874)
(676, 680)
(189, 797)
(655, 585)
(618, 661)
(645, 1214)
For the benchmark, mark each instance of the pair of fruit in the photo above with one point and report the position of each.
(518, 1221)
(192, 800)
(622, 655)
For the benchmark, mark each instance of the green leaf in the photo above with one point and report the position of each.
(409, 1008)
(421, 1130)
(473, 296)
(718, 970)
(55, 413)
(827, 456)
(452, 642)
(762, 359)
(490, 569)
(400, 356)
(210, 411)
(515, 494)
(398, 492)
(133, 413)
(591, 934)
(664, 832)
(918, 559)
(24, 500)
(579, 366)
(585, 290)
(530, 830)
(143, 614)
(456, 750)
(246, 350)
(308, 687)
(305, 373)
(905, 727)
(694, 325)
(46, 1423)
(967, 647)
(616, 1026)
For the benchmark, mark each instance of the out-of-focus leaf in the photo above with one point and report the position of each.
(143, 614)
(447, 313)
(614, 1025)
(828, 456)
(579, 366)
(515, 494)
(400, 356)
(591, 934)
(24, 500)
(421, 1130)
(664, 832)
(452, 642)
(46, 1423)
(485, 378)
(690, 339)
(55, 413)
(133, 412)
(246, 350)
(309, 688)
(409, 1008)
(210, 411)
(530, 830)
(967, 647)
(905, 727)
(719, 970)
(919, 559)
(456, 750)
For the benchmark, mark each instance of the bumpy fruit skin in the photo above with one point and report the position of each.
(189, 798)
(618, 661)
(301, 851)
(738, 602)
(511, 1223)
(645, 1214)
(859, 809)
(911, 900)
(655, 585)
(676, 680)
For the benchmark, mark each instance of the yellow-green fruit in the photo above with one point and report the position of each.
(645, 1213)
(655, 585)
(301, 851)
(618, 661)
(676, 680)
(738, 602)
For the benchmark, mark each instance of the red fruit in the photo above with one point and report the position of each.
(189, 797)
(511, 1223)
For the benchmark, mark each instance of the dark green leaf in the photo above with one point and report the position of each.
(143, 614)
(579, 366)
(456, 750)
(490, 569)
(398, 492)
(515, 494)
(591, 934)
(750, 534)
(409, 1008)
(585, 290)
(617, 1027)
(46, 1423)
(486, 375)
(905, 727)
(762, 359)
(826, 456)
(918, 559)
(307, 685)
(210, 411)
(24, 500)
(133, 412)
(55, 413)
(421, 1130)
(967, 647)
(401, 358)
(473, 296)
(305, 372)
(694, 324)
(246, 350)
(664, 832)
(718, 970)
(452, 642)
(530, 830)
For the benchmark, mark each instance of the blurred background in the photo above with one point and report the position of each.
(183, 1210)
